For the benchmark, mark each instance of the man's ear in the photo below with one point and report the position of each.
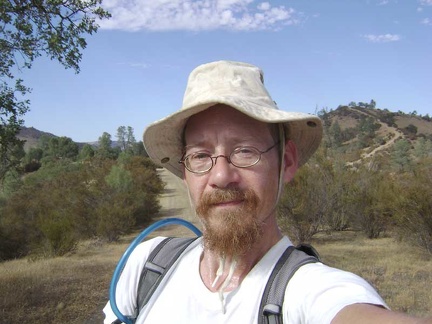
(290, 161)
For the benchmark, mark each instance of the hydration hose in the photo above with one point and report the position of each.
(127, 253)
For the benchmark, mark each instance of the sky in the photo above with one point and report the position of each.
(315, 54)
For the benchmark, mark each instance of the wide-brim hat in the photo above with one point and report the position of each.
(240, 86)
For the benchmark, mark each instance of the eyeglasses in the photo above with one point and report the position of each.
(241, 157)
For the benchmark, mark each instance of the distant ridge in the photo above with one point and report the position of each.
(390, 128)
(32, 135)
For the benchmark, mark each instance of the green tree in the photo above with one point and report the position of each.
(11, 183)
(86, 152)
(105, 149)
(119, 179)
(335, 132)
(308, 199)
(400, 155)
(122, 137)
(369, 202)
(413, 206)
(139, 149)
(423, 148)
(11, 157)
(126, 139)
(60, 148)
(33, 154)
(29, 29)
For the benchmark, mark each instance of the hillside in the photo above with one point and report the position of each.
(32, 135)
(364, 133)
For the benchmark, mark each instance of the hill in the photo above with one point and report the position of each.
(361, 133)
(32, 135)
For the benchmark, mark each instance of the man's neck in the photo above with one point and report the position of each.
(210, 262)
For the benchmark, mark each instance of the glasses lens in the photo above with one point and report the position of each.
(245, 156)
(198, 162)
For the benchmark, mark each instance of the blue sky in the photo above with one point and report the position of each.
(314, 54)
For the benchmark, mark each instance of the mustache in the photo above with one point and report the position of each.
(217, 196)
(223, 195)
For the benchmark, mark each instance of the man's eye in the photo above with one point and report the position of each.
(199, 156)
(244, 151)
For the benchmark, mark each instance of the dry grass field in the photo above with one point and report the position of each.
(402, 274)
(74, 288)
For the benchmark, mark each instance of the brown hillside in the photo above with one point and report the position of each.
(423, 126)
(359, 144)
(31, 136)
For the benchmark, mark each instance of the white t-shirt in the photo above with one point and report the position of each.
(315, 294)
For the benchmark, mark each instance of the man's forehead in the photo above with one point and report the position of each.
(221, 114)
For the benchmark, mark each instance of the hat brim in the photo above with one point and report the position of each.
(164, 143)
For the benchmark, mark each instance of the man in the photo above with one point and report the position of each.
(235, 151)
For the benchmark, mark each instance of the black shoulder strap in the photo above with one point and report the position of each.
(160, 260)
(270, 311)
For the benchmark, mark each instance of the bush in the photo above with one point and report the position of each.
(370, 200)
(114, 218)
(413, 208)
(59, 235)
(307, 200)
(64, 202)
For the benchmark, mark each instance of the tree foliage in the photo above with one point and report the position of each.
(72, 201)
(327, 195)
(413, 206)
(29, 29)
(105, 148)
(302, 212)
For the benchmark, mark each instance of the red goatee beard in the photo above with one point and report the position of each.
(232, 232)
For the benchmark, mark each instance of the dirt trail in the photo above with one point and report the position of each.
(175, 203)
(389, 131)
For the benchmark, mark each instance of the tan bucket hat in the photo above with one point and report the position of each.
(236, 84)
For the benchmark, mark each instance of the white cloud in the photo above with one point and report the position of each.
(136, 65)
(382, 38)
(426, 2)
(426, 21)
(383, 2)
(264, 6)
(196, 15)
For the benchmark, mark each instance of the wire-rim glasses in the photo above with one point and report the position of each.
(241, 157)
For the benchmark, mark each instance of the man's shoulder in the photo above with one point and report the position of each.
(143, 250)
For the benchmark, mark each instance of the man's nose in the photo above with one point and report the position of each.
(223, 174)
(215, 158)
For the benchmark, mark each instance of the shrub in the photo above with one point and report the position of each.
(413, 208)
(307, 200)
(59, 235)
(370, 200)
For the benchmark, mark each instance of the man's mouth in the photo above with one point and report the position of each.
(228, 203)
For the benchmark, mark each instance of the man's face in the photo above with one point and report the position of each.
(232, 203)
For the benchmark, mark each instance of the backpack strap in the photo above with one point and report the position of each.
(168, 251)
(270, 311)
(157, 265)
